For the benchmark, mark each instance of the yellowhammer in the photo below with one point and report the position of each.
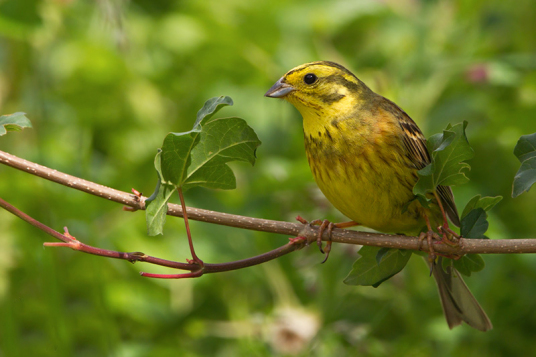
(364, 152)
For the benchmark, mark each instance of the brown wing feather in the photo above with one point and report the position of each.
(415, 144)
(447, 199)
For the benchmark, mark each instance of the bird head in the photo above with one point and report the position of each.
(319, 87)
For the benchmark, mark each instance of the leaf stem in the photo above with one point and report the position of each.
(189, 234)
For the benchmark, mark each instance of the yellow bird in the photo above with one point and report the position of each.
(364, 153)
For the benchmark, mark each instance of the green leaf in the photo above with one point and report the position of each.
(525, 147)
(14, 122)
(448, 151)
(474, 221)
(177, 147)
(525, 177)
(222, 140)
(474, 224)
(211, 107)
(199, 157)
(381, 253)
(525, 151)
(367, 271)
(156, 208)
(469, 263)
(156, 205)
(176, 155)
(486, 203)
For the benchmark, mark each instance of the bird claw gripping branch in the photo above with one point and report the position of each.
(324, 225)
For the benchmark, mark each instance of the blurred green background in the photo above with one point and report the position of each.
(103, 82)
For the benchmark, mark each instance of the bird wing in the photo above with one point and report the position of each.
(415, 144)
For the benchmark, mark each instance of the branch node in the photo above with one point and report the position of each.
(298, 240)
(136, 257)
(137, 193)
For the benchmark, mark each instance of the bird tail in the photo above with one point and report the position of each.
(458, 302)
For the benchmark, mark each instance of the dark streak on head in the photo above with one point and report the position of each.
(340, 80)
(331, 98)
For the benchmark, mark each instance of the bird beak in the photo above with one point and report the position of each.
(279, 89)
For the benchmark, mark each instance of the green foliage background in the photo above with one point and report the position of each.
(104, 82)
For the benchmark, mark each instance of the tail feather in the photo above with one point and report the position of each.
(458, 302)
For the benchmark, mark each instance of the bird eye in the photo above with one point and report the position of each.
(310, 78)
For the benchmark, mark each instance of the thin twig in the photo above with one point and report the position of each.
(196, 270)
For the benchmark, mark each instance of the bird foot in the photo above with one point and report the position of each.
(325, 225)
(449, 237)
(430, 236)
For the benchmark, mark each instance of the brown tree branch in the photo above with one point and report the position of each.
(466, 246)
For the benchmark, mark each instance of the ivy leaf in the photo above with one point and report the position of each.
(525, 177)
(474, 224)
(448, 151)
(525, 147)
(176, 155)
(156, 209)
(369, 271)
(199, 157)
(156, 205)
(210, 108)
(381, 253)
(177, 147)
(474, 221)
(466, 265)
(486, 203)
(525, 151)
(470, 263)
(14, 122)
(222, 140)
